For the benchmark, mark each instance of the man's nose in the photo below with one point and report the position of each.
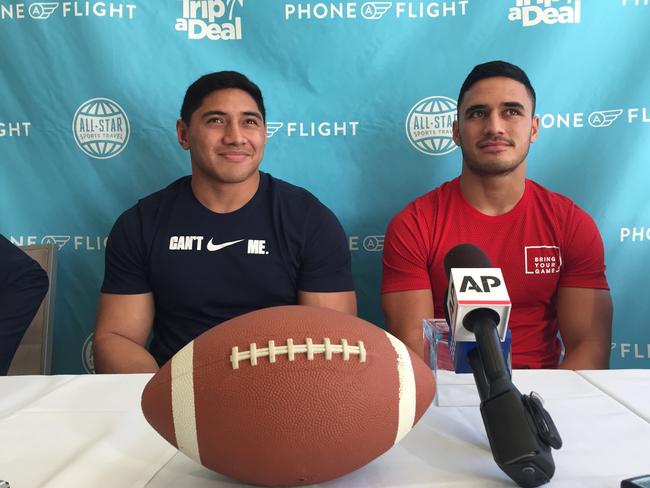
(494, 124)
(233, 134)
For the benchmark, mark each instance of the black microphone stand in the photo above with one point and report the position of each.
(521, 432)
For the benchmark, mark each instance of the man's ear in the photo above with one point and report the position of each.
(182, 132)
(455, 132)
(534, 131)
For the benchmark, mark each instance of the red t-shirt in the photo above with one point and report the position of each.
(544, 242)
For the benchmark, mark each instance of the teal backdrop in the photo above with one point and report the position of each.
(360, 99)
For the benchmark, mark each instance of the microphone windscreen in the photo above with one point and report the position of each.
(465, 256)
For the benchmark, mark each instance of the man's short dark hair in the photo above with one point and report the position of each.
(220, 80)
(492, 69)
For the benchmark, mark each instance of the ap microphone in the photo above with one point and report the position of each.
(475, 293)
(520, 430)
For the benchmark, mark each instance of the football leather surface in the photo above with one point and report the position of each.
(289, 395)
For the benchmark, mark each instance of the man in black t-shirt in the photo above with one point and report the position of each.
(224, 241)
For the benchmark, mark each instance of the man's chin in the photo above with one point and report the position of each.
(230, 177)
(492, 168)
(235, 179)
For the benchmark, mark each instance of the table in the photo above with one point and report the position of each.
(630, 389)
(88, 431)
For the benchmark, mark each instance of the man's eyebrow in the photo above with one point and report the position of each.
(472, 108)
(253, 114)
(221, 112)
(212, 112)
(513, 105)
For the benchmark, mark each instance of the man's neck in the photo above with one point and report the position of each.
(493, 195)
(221, 197)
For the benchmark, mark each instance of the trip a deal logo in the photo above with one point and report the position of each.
(534, 12)
(216, 20)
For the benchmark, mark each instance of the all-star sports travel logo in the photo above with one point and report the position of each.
(216, 20)
(87, 357)
(101, 128)
(429, 125)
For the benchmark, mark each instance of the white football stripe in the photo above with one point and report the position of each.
(183, 402)
(407, 398)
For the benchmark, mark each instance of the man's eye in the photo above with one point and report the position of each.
(513, 112)
(477, 114)
(252, 122)
(215, 120)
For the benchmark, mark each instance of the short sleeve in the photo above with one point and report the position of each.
(326, 263)
(405, 256)
(23, 284)
(18, 270)
(126, 257)
(584, 265)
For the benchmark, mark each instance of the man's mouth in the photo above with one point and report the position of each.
(494, 144)
(234, 155)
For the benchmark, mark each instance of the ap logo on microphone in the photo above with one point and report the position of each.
(469, 283)
(472, 288)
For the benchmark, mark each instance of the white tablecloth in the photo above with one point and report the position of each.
(88, 431)
(631, 389)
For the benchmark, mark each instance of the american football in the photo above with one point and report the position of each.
(289, 395)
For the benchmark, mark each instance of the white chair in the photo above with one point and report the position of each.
(34, 354)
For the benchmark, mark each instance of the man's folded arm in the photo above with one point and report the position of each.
(23, 284)
(585, 322)
(343, 301)
(404, 312)
(121, 332)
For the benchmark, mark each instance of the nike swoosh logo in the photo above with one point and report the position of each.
(215, 247)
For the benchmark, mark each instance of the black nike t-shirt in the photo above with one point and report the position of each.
(203, 267)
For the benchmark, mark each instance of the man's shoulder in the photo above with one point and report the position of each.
(14, 262)
(171, 191)
(557, 201)
(541, 190)
(288, 191)
(295, 202)
(560, 208)
(147, 208)
(426, 205)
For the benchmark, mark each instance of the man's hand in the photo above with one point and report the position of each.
(404, 312)
(585, 321)
(121, 332)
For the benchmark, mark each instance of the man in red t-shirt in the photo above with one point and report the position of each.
(550, 250)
